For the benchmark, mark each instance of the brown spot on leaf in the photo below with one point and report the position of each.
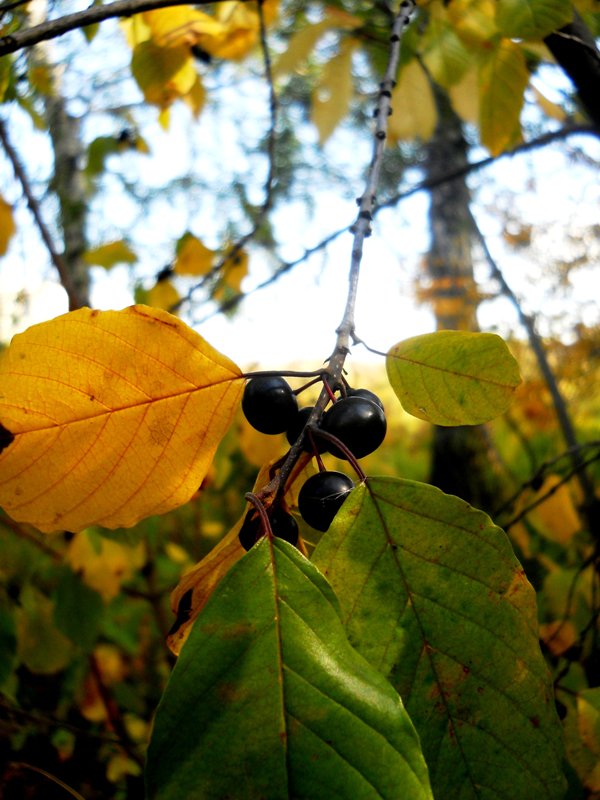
(6, 437)
(534, 721)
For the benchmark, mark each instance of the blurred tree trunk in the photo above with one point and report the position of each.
(461, 457)
(67, 181)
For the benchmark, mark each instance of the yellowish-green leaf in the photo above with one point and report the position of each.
(531, 19)
(332, 95)
(464, 97)
(503, 78)
(582, 736)
(473, 21)
(7, 225)
(108, 255)
(40, 645)
(556, 517)
(453, 377)
(300, 47)
(193, 257)
(445, 55)
(103, 563)
(108, 417)
(163, 73)
(414, 113)
(5, 65)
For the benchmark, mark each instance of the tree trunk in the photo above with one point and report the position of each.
(461, 462)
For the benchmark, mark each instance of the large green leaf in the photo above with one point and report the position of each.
(432, 595)
(532, 19)
(269, 700)
(453, 377)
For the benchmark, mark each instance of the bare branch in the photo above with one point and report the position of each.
(34, 207)
(429, 183)
(81, 19)
(535, 341)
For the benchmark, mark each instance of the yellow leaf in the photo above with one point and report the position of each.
(556, 517)
(163, 73)
(193, 258)
(116, 415)
(300, 46)
(332, 95)
(239, 34)
(163, 295)
(464, 97)
(474, 21)
(103, 563)
(414, 113)
(108, 255)
(258, 448)
(180, 25)
(558, 636)
(195, 98)
(503, 77)
(445, 55)
(7, 225)
(136, 30)
(552, 110)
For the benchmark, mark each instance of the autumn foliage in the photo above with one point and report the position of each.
(416, 648)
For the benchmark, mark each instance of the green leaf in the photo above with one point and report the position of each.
(8, 641)
(503, 78)
(78, 609)
(532, 19)
(268, 700)
(453, 377)
(41, 646)
(432, 595)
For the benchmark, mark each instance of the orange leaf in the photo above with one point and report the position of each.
(115, 415)
(193, 257)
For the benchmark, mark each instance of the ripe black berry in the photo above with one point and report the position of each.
(296, 428)
(358, 423)
(368, 395)
(269, 404)
(321, 497)
(283, 526)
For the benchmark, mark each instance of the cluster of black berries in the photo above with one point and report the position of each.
(356, 421)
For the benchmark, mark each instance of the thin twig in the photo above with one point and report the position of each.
(538, 475)
(268, 185)
(564, 419)
(429, 183)
(575, 470)
(34, 207)
(361, 229)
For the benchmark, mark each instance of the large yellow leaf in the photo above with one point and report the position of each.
(414, 113)
(109, 417)
(464, 97)
(7, 225)
(332, 94)
(502, 81)
(473, 21)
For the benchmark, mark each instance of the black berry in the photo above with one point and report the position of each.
(358, 423)
(269, 404)
(321, 497)
(296, 428)
(368, 395)
(283, 525)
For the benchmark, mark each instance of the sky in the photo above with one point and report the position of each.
(294, 320)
